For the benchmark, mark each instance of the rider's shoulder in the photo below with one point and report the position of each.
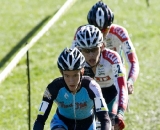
(107, 51)
(57, 82)
(111, 56)
(117, 27)
(119, 32)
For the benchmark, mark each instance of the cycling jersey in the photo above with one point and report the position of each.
(118, 40)
(76, 108)
(110, 73)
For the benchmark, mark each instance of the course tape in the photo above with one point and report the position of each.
(24, 50)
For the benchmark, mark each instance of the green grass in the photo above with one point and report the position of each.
(21, 20)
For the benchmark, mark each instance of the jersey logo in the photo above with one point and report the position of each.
(81, 105)
(120, 33)
(102, 79)
(111, 56)
(78, 105)
(47, 94)
(66, 96)
(100, 70)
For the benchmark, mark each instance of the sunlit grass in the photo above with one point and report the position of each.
(21, 17)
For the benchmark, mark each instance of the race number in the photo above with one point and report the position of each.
(43, 107)
(100, 104)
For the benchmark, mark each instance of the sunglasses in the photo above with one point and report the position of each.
(89, 50)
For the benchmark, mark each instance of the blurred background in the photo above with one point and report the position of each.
(21, 20)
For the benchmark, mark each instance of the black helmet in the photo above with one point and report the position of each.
(100, 15)
(71, 59)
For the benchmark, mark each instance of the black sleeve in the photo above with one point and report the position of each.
(41, 119)
(103, 117)
(38, 126)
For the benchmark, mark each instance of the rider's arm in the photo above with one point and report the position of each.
(129, 51)
(102, 113)
(120, 83)
(101, 108)
(131, 58)
(44, 110)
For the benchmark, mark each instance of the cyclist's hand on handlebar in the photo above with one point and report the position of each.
(119, 122)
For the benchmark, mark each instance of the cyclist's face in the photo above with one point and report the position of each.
(91, 55)
(72, 79)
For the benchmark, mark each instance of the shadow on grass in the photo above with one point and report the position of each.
(23, 41)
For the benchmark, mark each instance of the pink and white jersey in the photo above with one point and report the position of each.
(118, 40)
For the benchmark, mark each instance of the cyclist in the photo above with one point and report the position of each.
(76, 96)
(105, 66)
(116, 38)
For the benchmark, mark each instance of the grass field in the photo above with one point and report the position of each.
(21, 20)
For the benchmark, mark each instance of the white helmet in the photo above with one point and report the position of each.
(71, 59)
(88, 36)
